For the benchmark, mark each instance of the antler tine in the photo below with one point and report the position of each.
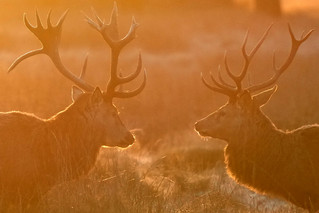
(256, 48)
(90, 21)
(114, 22)
(108, 31)
(24, 56)
(27, 23)
(99, 20)
(215, 89)
(130, 35)
(39, 23)
(274, 66)
(295, 44)
(83, 71)
(30, 53)
(122, 80)
(230, 74)
(305, 37)
(129, 94)
(111, 35)
(50, 40)
(222, 86)
(61, 19)
(116, 81)
(249, 56)
(222, 80)
(49, 24)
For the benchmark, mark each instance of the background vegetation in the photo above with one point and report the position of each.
(170, 168)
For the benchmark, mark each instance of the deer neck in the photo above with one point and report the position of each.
(74, 140)
(247, 154)
(252, 141)
(259, 128)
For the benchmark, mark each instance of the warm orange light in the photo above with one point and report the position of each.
(297, 5)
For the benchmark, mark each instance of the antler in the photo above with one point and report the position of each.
(232, 91)
(111, 35)
(247, 58)
(295, 44)
(226, 88)
(50, 40)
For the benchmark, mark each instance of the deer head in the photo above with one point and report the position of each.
(243, 107)
(95, 104)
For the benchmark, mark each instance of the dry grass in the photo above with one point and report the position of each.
(172, 169)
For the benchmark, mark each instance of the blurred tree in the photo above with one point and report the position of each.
(175, 3)
(204, 3)
(272, 7)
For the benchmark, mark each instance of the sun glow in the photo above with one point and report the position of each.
(300, 5)
(170, 166)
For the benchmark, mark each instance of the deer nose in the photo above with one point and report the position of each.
(201, 129)
(197, 126)
(129, 139)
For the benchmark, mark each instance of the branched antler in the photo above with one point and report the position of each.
(50, 39)
(295, 44)
(233, 91)
(110, 34)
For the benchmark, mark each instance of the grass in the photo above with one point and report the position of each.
(170, 168)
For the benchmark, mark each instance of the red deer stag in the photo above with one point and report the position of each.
(258, 155)
(35, 153)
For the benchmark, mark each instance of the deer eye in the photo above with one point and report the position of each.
(222, 113)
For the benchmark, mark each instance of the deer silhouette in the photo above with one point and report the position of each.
(36, 153)
(259, 155)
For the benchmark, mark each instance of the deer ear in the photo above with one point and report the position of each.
(76, 93)
(262, 98)
(97, 96)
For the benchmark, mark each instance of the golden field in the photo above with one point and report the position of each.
(170, 168)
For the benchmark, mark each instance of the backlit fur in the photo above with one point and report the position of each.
(35, 153)
(264, 158)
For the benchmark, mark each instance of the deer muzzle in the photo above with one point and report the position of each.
(127, 140)
(201, 129)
